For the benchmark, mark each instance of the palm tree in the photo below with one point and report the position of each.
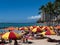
(44, 12)
(57, 8)
(57, 0)
(51, 10)
(47, 10)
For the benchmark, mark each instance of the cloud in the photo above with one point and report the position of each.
(34, 17)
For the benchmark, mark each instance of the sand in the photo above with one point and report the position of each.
(44, 41)
(41, 41)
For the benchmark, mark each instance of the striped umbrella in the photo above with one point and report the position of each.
(31, 27)
(21, 28)
(10, 35)
(10, 28)
(57, 27)
(36, 30)
(24, 28)
(49, 31)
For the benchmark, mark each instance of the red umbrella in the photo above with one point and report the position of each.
(36, 29)
(10, 28)
(21, 28)
(57, 27)
(10, 35)
(34, 26)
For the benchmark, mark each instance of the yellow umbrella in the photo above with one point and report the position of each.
(51, 27)
(26, 28)
(43, 28)
(23, 28)
(43, 33)
(52, 32)
(34, 30)
(10, 35)
(31, 27)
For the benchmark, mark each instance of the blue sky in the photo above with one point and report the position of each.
(20, 11)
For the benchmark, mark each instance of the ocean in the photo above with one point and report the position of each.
(3, 25)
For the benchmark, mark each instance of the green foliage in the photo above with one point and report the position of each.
(50, 9)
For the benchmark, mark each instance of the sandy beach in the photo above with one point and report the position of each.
(42, 41)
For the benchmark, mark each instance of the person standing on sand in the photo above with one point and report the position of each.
(25, 37)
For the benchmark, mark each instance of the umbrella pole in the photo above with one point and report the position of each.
(15, 43)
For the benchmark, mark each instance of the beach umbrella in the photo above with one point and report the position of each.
(43, 33)
(34, 26)
(51, 27)
(22, 32)
(52, 32)
(11, 28)
(31, 27)
(24, 28)
(43, 28)
(57, 27)
(10, 35)
(38, 26)
(21, 28)
(48, 30)
(36, 30)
